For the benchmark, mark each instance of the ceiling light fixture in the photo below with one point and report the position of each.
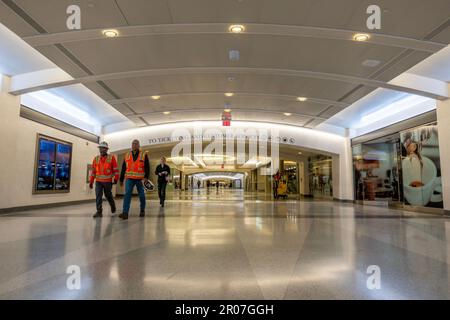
(302, 99)
(287, 114)
(111, 33)
(229, 94)
(156, 97)
(227, 110)
(361, 37)
(236, 28)
(166, 112)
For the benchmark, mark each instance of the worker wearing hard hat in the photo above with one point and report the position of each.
(105, 173)
(135, 172)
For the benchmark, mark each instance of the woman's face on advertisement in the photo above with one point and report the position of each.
(407, 143)
(412, 148)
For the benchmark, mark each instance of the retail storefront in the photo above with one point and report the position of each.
(399, 168)
(320, 176)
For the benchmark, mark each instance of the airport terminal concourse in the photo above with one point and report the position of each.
(207, 150)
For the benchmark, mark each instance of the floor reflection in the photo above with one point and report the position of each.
(210, 249)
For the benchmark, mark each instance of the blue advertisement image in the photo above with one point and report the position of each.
(63, 153)
(46, 169)
(53, 168)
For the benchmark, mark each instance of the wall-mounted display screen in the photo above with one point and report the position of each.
(53, 163)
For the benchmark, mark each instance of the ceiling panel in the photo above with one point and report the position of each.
(331, 111)
(332, 56)
(142, 12)
(51, 14)
(63, 61)
(444, 35)
(218, 102)
(198, 11)
(418, 17)
(295, 86)
(216, 116)
(411, 18)
(407, 18)
(10, 19)
(402, 65)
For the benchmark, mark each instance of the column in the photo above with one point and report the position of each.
(443, 121)
(9, 123)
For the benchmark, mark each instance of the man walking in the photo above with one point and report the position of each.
(135, 169)
(104, 173)
(163, 172)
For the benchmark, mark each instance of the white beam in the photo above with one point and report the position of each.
(418, 82)
(36, 79)
(222, 28)
(44, 84)
(193, 109)
(237, 95)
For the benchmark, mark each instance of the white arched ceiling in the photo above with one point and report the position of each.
(179, 50)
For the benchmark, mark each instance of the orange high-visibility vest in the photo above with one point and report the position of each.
(106, 170)
(135, 169)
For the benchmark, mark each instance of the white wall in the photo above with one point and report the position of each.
(18, 144)
(443, 121)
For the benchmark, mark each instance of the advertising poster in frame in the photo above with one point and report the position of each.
(421, 165)
(53, 165)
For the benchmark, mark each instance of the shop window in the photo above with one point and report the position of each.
(290, 176)
(403, 167)
(320, 176)
(377, 170)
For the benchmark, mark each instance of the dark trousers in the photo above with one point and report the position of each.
(100, 188)
(162, 191)
(275, 189)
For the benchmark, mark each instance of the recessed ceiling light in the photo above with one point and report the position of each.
(166, 112)
(156, 97)
(302, 99)
(361, 37)
(300, 152)
(111, 33)
(227, 110)
(287, 114)
(229, 94)
(236, 28)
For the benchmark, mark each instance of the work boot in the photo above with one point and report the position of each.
(123, 216)
(142, 214)
(97, 215)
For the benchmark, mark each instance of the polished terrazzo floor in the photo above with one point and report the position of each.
(209, 248)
